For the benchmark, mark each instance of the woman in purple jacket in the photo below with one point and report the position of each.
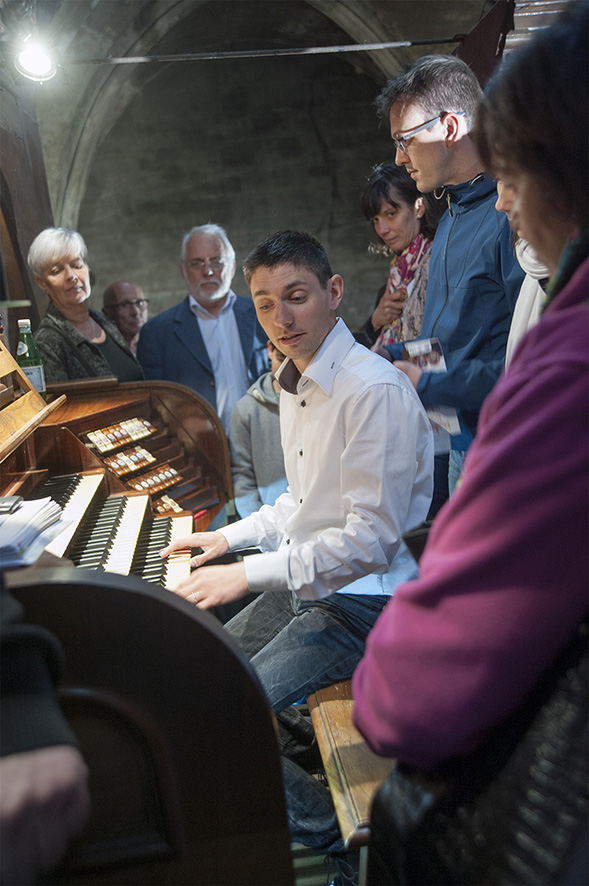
(503, 579)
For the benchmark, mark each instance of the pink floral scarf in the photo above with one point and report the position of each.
(404, 267)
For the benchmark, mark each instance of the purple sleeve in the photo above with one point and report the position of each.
(503, 579)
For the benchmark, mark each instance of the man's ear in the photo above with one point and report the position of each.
(419, 207)
(335, 287)
(452, 126)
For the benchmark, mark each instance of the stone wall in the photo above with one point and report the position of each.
(137, 154)
(252, 152)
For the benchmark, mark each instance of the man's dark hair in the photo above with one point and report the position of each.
(293, 248)
(535, 112)
(437, 83)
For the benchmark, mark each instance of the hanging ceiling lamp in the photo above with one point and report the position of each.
(34, 62)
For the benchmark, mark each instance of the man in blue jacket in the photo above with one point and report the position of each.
(474, 278)
(210, 342)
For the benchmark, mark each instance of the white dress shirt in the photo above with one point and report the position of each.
(358, 452)
(221, 338)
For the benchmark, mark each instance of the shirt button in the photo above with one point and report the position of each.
(303, 403)
(300, 451)
(288, 541)
(300, 501)
(212, 383)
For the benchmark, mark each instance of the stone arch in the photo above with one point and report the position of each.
(111, 89)
(109, 92)
(360, 22)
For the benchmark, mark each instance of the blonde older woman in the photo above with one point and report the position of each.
(74, 340)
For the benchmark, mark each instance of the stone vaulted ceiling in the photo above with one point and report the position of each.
(136, 154)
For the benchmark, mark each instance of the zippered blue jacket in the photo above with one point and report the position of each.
(473, 284)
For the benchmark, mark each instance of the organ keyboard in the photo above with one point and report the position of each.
(158, 438)
(117, 533)
(110, 525)
(73, 500)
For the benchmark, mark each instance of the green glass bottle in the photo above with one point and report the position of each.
(29, 358)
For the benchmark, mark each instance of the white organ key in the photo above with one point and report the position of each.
(122, 551)
(178, 563)
(74, 510)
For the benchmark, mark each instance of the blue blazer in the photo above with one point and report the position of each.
(171, 347)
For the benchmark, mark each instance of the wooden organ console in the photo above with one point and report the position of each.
(176, 731)
(132, 465)
(156, 437)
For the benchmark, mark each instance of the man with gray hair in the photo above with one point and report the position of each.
(211, 341)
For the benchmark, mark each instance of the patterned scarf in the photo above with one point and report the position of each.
(404, 267)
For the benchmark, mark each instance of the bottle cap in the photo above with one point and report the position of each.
(24, 324)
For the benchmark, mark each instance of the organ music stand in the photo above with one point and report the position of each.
(19, 415)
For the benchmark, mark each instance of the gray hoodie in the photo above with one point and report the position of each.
(257, 462)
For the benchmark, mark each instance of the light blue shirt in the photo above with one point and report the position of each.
(221, 338)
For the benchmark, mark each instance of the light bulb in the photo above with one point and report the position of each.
(34, 62)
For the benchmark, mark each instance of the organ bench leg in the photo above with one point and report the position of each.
(353, 771)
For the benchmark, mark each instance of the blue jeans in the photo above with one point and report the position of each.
(298, 647)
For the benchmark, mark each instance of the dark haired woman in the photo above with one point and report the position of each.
(405, 222)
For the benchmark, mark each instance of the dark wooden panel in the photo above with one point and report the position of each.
(177, 733)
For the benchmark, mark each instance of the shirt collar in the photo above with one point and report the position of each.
(199, 311)
(472, 191)
(325, 363)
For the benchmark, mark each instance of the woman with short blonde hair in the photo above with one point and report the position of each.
(75, 341)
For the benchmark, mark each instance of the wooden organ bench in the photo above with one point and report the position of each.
(354, 773)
